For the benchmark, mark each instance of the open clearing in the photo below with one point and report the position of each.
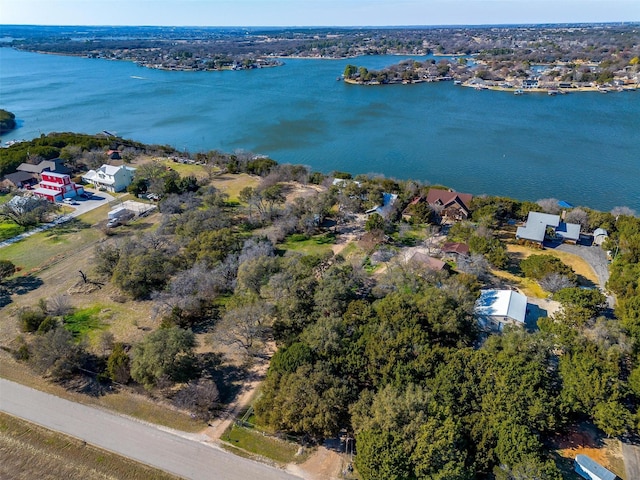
(585, 439)
(30, 451)
(581, 267)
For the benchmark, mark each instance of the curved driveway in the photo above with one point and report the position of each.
(183, 455)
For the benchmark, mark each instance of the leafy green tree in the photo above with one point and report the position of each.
(7, 268)
(381, 454)
(309, 401)
(27, 211)
(168, 352)
(118, 364)
(613, 418)
(140, 273)
(56, 354)
(592, 300)
(539, 266)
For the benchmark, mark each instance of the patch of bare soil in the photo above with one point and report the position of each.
(587, 440)
(323, 464)
(244, 398)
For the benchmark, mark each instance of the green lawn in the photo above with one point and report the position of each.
(254, 442)
(314, 245)
(9, 230)
(84, 322)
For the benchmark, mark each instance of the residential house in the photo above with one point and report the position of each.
(110, 178)
(497, 308)
(455, 248)
(450, 205)
(20, 180)
(428, 262)
(55, 186)
(388, 199)
(544, 225)
(408, 212)
(114, 155)
(56, 165)
(591, 470)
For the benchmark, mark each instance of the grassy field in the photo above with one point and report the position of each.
(310, 245)
(30, 451)
(253, 442)
(233, 184)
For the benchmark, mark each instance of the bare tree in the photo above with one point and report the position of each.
(199, 397)
(577, 215)
(59, 305)
(246, 327)
(555, 282)
(625, 211)
(549, 205)
(475, 264)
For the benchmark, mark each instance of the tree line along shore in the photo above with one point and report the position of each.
(329, 282)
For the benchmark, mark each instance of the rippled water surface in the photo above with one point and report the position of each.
(581, 147)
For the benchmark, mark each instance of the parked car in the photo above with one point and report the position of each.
(70, 201)
(114, 222)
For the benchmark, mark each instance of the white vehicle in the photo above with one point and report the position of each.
(70, 201)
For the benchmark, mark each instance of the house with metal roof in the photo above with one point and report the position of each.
(543, 225)
(591, 470)
(497, 308)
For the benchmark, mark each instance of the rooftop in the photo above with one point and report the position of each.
(502, 303)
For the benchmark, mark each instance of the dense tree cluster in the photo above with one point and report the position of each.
(394, 359)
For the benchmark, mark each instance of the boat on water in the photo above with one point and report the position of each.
(518, 92)
(552, 92)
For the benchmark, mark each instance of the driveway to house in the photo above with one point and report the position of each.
(631, 455)
(597, 258)
(182, 454)
(84, 205)
(594, 256)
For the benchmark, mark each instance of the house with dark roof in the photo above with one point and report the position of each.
(428, 262)
(20, 180)
(450, 205)
(541, 226)
(56, 166)
(458, 249)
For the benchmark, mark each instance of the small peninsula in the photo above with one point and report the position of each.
(7, 121)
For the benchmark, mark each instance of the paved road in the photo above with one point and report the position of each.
(84, 206)
(185, 455)
(631, 455)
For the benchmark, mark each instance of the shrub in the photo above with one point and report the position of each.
(30, 320)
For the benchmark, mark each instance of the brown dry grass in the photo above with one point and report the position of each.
(30, 451)
(232, 184)
(585, 439)
(580, 266)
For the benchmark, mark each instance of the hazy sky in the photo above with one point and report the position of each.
(313, 12)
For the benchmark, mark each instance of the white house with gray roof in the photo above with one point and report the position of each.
(497, 308)
(110, 178)
(536, 228)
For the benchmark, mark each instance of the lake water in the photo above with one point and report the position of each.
(582, 147)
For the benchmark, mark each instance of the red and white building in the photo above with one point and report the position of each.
(56, 186)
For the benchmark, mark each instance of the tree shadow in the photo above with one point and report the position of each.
(72, 226)
(228, 378)
(18, 286)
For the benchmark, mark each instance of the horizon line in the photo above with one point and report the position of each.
(448, 25)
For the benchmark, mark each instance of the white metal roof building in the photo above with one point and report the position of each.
(591, 470)
(497, 308)
(536, 227)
